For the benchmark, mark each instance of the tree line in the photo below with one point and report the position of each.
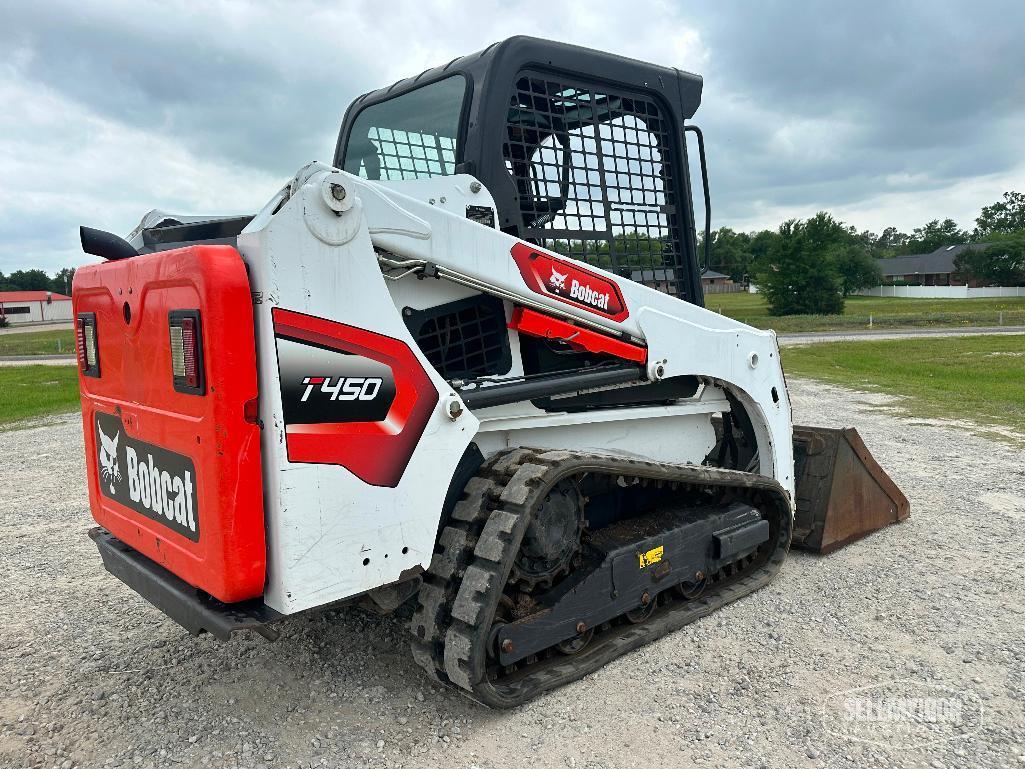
(804, 266)
(37, 280)
(811, 266)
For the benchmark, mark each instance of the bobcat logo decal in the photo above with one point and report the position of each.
(558, 279)
(155, 482)
(109, 469)
(565, 280)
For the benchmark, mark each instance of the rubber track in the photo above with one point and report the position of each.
(476, 550)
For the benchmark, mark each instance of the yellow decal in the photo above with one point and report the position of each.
(652, 556)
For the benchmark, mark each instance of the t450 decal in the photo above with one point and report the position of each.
(350, 397)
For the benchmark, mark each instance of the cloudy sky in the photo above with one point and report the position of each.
(882, 113)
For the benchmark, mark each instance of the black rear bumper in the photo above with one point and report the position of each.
(191, 608)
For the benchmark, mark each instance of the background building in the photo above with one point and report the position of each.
(34, 306)
(716, 283)
(933, 269)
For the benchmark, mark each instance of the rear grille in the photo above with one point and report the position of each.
(463, 339)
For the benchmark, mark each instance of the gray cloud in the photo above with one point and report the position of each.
(881, 112)
(873, 94)
(245, 90)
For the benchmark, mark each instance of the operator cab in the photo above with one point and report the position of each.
(583, 151)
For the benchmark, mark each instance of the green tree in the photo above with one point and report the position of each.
(633, 249)
(933, 235)
(858, 268)
(29, 280)
(62, 280)
(730, 253)
(800, 275)
(847, 251)
(644, 250)
(37, 280)
(596, 253)
(1002, 263)
(889, 243)
(761, 244)
(1004, 216)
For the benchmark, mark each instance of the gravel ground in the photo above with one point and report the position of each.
(96, 677)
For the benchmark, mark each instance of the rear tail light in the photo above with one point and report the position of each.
(87, 344)
(187, 352)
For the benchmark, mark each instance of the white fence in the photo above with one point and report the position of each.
(943, 292)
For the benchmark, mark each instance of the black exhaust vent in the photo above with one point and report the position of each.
(463, 339)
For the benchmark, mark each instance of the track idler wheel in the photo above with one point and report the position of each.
(688, 591)
(577, 643)
(642, 612)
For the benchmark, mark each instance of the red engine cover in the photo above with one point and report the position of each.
(176, 475)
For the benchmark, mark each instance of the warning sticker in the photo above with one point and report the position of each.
(652, 556)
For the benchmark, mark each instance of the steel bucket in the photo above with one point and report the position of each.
(842, 492)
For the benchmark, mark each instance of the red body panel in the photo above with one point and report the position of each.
(526, 321)
(226, 556)
(546, 274)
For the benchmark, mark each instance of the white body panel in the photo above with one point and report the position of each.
(690, 339)
(680, 433)
(322, 521)
(317, 256)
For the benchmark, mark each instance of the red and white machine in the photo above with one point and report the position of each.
(369, 392)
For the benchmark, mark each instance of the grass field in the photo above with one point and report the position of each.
(748, 308)
(884, 313)
(979, 378)
(52, 342)
(33, 391)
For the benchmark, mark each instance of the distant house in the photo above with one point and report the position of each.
(932, 269)
(713, 278)
(713, 282)
(34, 306)
(664, 279)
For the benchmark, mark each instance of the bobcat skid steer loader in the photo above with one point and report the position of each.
(466, 365)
